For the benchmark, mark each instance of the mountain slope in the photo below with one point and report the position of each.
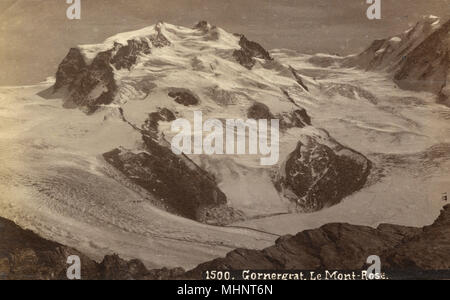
(418, 58)
(427, 66)
(151, 76)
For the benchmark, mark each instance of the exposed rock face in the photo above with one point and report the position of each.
(428, 250)
(91, 85)
(159, 40)
(390, 53)
(88, 85)
(209, 32)
(126, 56)
(259, 111)
(254, 49)
(178, 184)
(183, 96)
(426, 68)
(152, 123)
(298, 78)
(321, 175)
(26, 256)
(297, 118)
(202, 25)
(419, 58)
(332, 247)
(249, 51)
(346, 247)
(69, 69)
(114, 268)
(244, 59)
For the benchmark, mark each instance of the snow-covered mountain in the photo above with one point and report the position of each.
(151, 76)
(86, 158)
(418, 58)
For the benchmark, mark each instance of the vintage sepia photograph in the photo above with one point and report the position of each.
(230, 141)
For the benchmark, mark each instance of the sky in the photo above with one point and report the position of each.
(35, 35)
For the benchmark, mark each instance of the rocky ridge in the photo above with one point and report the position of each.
(405, 250)
(418, 59)
(339, 246)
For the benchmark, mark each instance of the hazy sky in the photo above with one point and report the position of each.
(35, 35)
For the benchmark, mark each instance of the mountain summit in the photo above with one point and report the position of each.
(149, 77)
(93, 74)
(418, 58)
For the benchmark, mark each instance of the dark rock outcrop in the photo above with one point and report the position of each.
(427, 67)
(298, 78)
(152, 123)
(390, 53)
(428, 250)
(114, 268)
(159, 40)
(249, 51)
(320, 176)
(26, 256)
(126, 56)
(244, 59)
(69, 69)
(404, 250)
(296, 118)
(259, 111)
(418, 59)
(209, 32)
(88, 85)
(254, 49)
(184, 96)
(91, 85)
(179, 185)
(202, 25)
(331, 247)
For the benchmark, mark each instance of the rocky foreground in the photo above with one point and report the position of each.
(25, 255)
